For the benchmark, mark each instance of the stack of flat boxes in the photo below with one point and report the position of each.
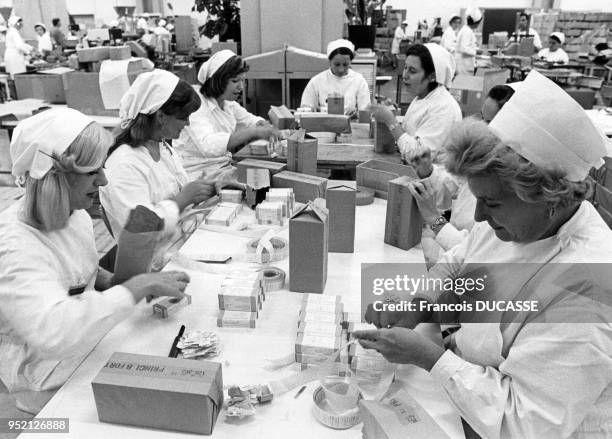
(367, 363)
(320, 332)
(575, 24)
(240, 299)
(223, 214)
(277, 207)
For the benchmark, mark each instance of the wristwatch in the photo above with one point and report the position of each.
(438, 224)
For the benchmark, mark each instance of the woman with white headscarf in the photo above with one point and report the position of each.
(45, 46)
(51, 315)
(554, 53)
(16, 48)
(466, 46)
(544, 371)
(428, 73)
(143, 169)
(221, 125)
(340, 79)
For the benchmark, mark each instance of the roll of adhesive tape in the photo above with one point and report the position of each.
(281, 249)
(365, 196)
(273, 279)
(327, 417)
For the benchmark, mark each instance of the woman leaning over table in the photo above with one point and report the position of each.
(142, 168)
(51, 315)
(221, 125)
(540, 374)
(428, 72)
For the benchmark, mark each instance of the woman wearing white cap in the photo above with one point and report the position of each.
(45, 46)
(51, 315)
(399, 36)
(221, 125)
(142, 168)
(16, 48)
(428, 72)
(546, 371)
(449, 37)
(554, 53)
(465, 49)
(339, 79)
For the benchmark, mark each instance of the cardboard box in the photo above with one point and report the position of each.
(281, 117)
(341, 202)
(305, 187)
(46, 86)
(91, 54)
(239, 299)
(237, 319)
(384, 142)
(223, 214)
(404, 223)
(472, 90)
(258, 184)
(308, 235)
(323, 122)
(159, 392)
(119, 52)
(243, 165)
(376, 174)
(302, 154)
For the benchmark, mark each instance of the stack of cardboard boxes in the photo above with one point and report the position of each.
(241, 299)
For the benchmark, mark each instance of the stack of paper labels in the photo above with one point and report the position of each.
(223, 214)
(241, 298)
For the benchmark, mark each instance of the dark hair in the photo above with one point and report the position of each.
(524, 14)
(501, 94)
(556, 38)
(214, 86)
(601, 46)
(421, 52)
(182, 102)
(341, 51)
(471, 22)
(455, 17)
(55, 21)
(40, 25)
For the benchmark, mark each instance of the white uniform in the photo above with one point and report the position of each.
(44, 43)
(558, 56)
(397, 39)
(537, 43)
(431, 120)
(465, 51)
(352, 86)
(44, 333)
(134, 178)
(534, 379)
(16, 50)
(203, 143)
(449, 39)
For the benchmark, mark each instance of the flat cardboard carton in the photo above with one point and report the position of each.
(302, 154)
(159, 392)
(404, 223)
(119, 52)
(92, 54)
(341, 202)
(237, 319)
(322, 122)
(384, 142)
(305, 187)
(46, 86)
(281, 117)
(243, 165)
(316, 344)
(376, 174)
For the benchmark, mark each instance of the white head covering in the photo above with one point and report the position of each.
(114, 23)
(170, 26)
(549, 128)
(3, 28)
(146, 95)
(13, 20)
(213, 64)
(41, 25)
(475, 13)
(516, 86)
(560, 36)
(39, 137)
(336, 44)
(405, 22)
(444, 63)
(161, 23)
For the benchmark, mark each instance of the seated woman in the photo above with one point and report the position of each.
(554, 53)
(428, 72)
(51, 315)
(340, 79)
(546, 372)
(142, 168)
(221, 125)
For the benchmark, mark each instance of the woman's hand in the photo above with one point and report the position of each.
(194, 193)
(382, 114)
(266, 131)
(230, 184)
(401, 345)
(165, 283)
(425, 196)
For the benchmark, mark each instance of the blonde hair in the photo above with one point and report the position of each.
(47, 201)
(416, 151)
(474, 150)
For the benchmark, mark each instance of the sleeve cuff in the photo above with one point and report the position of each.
(170, 213)
(447, 366)
(449, 236)
(121, 297)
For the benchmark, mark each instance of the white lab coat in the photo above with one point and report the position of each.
(203, 143)
(430, 119)
(558, 56)
(44, 333)
(537, 43)
(534, 379)
(44, 43)
(449, 39)
(465, 51)
(134, 178)
(16, 51)
(352, 86)
(398, 36)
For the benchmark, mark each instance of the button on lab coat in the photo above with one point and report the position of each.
(44, 332)
(533, 379)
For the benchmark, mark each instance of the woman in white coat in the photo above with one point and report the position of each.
(399, 36)
(221, 125)
(45, 46)
(466, 46)
(16, 48)
(545, 371)
(428, 72)
(449, 37)
(51, 311)
(143, 169)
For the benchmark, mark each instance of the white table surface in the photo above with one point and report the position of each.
(602, 119)
(245, 352)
